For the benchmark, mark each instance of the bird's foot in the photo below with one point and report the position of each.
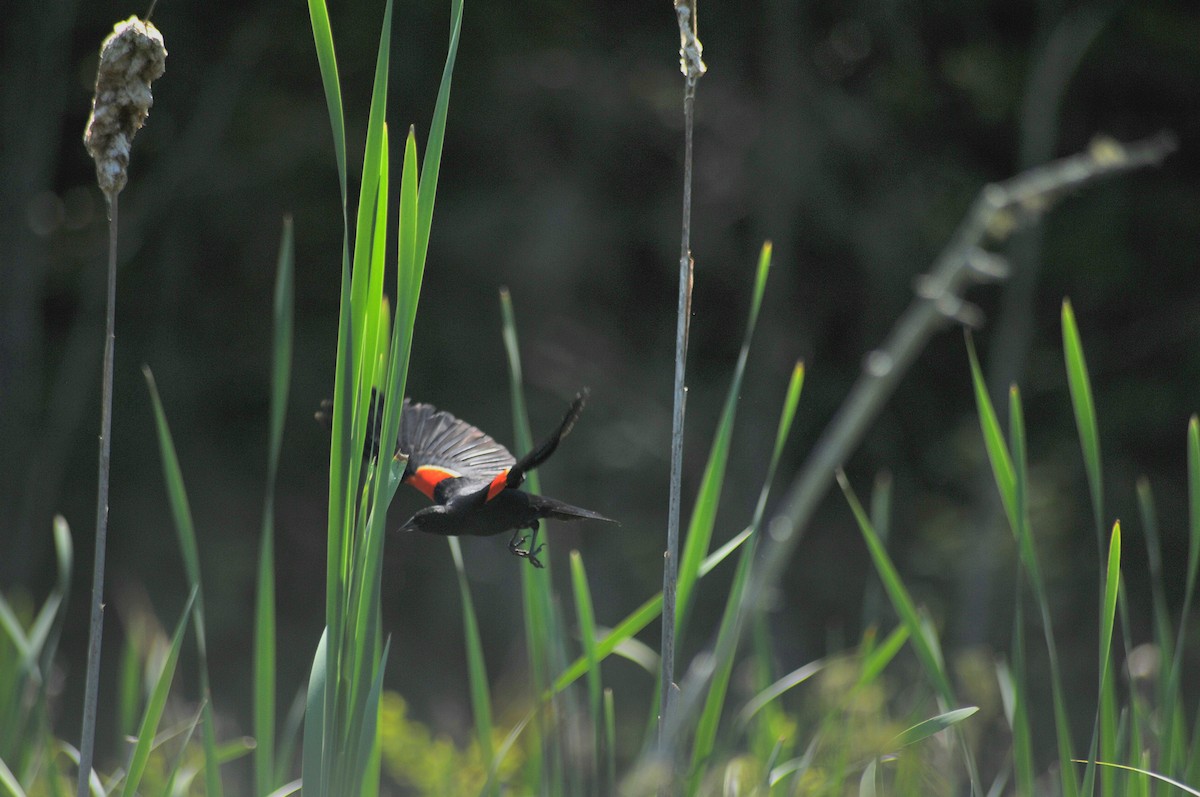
(530, 553)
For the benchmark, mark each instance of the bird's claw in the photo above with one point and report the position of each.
(514, 547)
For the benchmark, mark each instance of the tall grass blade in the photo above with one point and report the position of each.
(1016, 686)
(481, 699)
(312, 760)
(1107, 718)
(158, 702)
(901, 601)
(9, 786)
(587, 634)
(923, 730)
(431, 166)
(639, 619)
(1025, 543)
(327, 61)
(1084, 408)
(1183, 787)
(609, 784)
(881, 501)
(730, 628)
(186, 532)
(1010, 472)
(921, 634)
(264, 611)
(708, 498)
(710, 716)
(866, 784)
(536, 603)
(170, 789)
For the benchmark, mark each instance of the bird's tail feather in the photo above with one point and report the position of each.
(557, 510)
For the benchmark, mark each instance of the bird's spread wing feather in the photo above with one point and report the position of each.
(441, 447)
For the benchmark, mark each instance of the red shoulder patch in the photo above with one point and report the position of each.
(498, 484)
(427, 477)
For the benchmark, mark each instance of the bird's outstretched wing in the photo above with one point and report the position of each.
(513, 475)
(441, 447)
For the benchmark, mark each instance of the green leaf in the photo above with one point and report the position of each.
(312, 761)
(481, 699)
(993, 441)
(431, 166)
(902, 602)
(1085, 412)
(923, 730)
(714, 701)
(158, 702)
(587, 633)
(639, 619)
(1148, 773)
(186, 533)
(8, 782)
(264, 610)
(708, 498)
(866, 785)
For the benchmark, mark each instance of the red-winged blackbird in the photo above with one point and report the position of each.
(473, 480)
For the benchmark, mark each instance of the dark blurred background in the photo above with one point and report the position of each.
(853, 135)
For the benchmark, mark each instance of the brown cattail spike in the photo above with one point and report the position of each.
(131, 57)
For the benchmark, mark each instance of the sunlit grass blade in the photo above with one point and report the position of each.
(710, 715)
(1028, 553)
(921, 634)
(1013, 688)
(312, 760)
(1184, 787)
(866, 784)
(327, 61)
(610, 744)
(772, 693)
(129, 680)
(708, 497)
(431, 166)
(53, 614)
(536, 602)
(170, 788)
(993, 441)
(587, 634)
(607, 644)
(9, 786)
(1084, 408)
(481, 698)
(876, 660)
(901, 601)
(1010, 472)
(368, 749)
(926, 728)
(1194, 506)
(639, 619)
(186, 532)
(264, 608)
(1107, 717)
(881, 501)
(287, 789)
(765, 741)
(156, 705)
(730, 630)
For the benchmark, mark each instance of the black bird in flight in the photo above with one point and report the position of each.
(473, 481)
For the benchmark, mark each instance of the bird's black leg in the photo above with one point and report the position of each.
(530, 553)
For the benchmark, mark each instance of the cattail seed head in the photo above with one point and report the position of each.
(131, 57)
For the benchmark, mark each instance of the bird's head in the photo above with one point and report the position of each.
(431, 519)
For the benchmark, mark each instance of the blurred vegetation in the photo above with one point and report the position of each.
(853, 137)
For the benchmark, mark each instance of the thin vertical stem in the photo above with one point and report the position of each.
(692, 67)
(88, 736)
